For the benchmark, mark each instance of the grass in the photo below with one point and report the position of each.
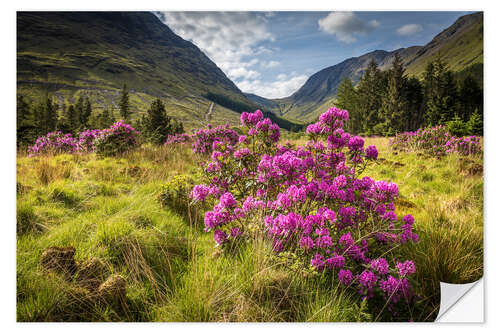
(108, 210)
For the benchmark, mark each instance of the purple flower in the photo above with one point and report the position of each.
(318, 261)
(200, 192)
(345, 276)
(371, 152)
(337, 261)
(227, 200)
(236, 232)
(220, 236)
(306, 243)
(356, 143)
(406, 268)
(380, 266)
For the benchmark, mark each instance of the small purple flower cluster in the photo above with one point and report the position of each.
(54, 143)
(204, 139)
(464, 145)
(436, 141)
(182, 138)
(87, 139)
(309, 200)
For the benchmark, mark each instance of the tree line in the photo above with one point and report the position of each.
(389, 102)
(38, 118)
(241, 107)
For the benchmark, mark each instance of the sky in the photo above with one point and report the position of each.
(272, 54)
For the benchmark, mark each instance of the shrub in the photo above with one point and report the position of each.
(182, 138)
(457, 127)
(310, 201)
(87, 140)
(204, 138)
(54, 143)
(435, 141)
(475, 123)
(175, 195)
(117, 139)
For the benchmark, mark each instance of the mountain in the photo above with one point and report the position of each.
(460, 45)
(71, 54)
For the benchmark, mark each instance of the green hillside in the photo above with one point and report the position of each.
(70, 54)
(460, 46)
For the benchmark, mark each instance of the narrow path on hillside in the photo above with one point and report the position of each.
(208, 115)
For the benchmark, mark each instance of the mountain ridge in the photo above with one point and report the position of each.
(72, 54)
(320, 89)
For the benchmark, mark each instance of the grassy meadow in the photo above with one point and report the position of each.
(108, 210)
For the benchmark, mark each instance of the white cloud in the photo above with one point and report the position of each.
(409, 29)
(344, 25)
(284, 86)
(242, 72)
(227, 38)
(282, 76)
(270, 64)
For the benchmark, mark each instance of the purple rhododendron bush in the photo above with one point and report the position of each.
(312, 203)
(118, 138)
(436, 141)
(54, 143)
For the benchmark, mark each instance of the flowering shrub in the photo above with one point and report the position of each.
(204, 138)
(117, 139)
(465, 145)
(203, 141)
(310, 202)
(87, 139)
(54, 143)
(436, 141)
(178, 139)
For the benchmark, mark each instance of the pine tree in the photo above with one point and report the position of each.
(414, 96)
(64, 122)
(49, 115)
(106, 118)
(470, 97)
(457, 126)
(394, 104)
(86, 113)
(475, 123)
(441, 93)
(157, 124)
(347, 99)
(371, 88)
(124, 103)
(25, 122)
(78, 112)
(72, 116)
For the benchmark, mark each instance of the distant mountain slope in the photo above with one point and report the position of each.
(94, 53)
(460, 45)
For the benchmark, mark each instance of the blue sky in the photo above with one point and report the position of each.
(272, 54)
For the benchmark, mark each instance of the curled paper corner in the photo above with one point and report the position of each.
(461, 303)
